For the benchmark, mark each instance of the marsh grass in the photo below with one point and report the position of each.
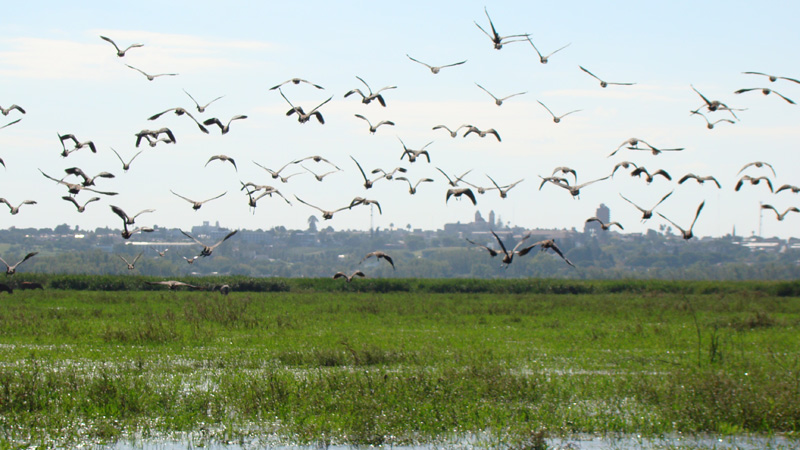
(318, 362)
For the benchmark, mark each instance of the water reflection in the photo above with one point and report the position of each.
(585, 442)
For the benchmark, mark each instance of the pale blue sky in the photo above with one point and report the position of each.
(53, 63)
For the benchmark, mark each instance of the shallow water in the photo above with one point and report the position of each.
(585, 442)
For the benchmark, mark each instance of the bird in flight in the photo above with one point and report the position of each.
(180, 112)
(120, 52)
(222, 158)
(325, 213)
(223, 128)
(302, 116)
(14, 210)
(699, 179)
(714, 105)
(128, 220)
(195, 204)
(574, 190)
(543, 59)
(6, 111)
(126, 165)
(374, 128)
(152, 77)
(758, 164)
(435, 69)
(11, 269)
(753, 181)
(646, 213)
(710, 124)
(604, 226)
(366, 99)
(603, 83)
(773, 78)
(766, 91)
(458, 192)
(453, 133)
(81, 208)
(482, 133)
(201, 108)
(545, 245)
(687, 234)
(349, 278)
(208, 249)
(132, 263)
(499, 101)
(497, 40)
(557, 119)
(412, 189)
(781, 216)
(378, 255)
(508, 257)
(172, 284)
(295, 81)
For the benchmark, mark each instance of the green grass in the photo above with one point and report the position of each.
(317, 363)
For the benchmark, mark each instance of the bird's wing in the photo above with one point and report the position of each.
(214, 198)
(513, 95)
(359, 168)
(502, 246)
(471, 195)
(365, 84)
(109, 40)
(363, 118)
(388, 258)
(545, 107)
(179, 195)
(123, 259)
(417, 61)
(484, 89)
(224, 239)
(634, 204)
(454, 64)
(590, 182)
(192, 238)
(484, 31)
(492, 251)
(10, 123)
(673, 223)
(156, 116)
(590, 73)
(309, 204)
(118, 211)
(765, 206)
(697, 214)
(69, 198)
(27, 257)
(662, 199)
(449, 181)
(555, 51)
(142, 212)
(312, 111)
(701, 96)
(54, 179)
(783, 97)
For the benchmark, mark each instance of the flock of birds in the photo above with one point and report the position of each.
(76, 180)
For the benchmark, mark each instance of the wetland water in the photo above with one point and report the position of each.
(583, 442)
(296, 370)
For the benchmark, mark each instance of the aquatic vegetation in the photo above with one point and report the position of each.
(398, 361)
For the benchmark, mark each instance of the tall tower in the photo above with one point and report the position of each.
(491, 218)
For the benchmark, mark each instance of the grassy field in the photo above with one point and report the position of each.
(319, 364)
